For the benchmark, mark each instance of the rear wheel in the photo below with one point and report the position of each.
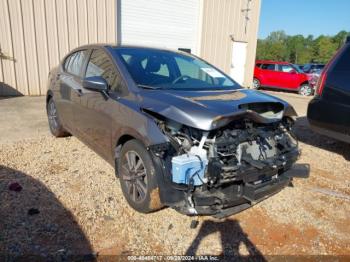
(305, 90)
(256, 83)
(137, 177)
(55, 125)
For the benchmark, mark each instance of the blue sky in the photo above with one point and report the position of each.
(304, 17)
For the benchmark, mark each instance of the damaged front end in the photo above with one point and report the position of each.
(239, 162)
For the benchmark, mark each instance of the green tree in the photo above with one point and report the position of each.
(340, 38)
(326, 48)
(296, 48)
(299, 49)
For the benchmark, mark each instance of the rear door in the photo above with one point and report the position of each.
(268, 74)
(70, 85)
(336, 94)
(287, 77)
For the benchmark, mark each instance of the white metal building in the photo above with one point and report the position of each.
(36, 34)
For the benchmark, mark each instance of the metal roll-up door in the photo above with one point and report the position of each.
(160, 23)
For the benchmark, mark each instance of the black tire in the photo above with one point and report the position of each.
(256, 84)
(139, 186)
(306, 90)
(55, 125)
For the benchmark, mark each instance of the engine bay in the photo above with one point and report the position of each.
(227, 154)
(227, 168)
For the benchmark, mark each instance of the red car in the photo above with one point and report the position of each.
(281, 75)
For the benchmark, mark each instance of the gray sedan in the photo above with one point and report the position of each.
(179, 131)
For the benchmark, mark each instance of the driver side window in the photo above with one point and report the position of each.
(101, 65)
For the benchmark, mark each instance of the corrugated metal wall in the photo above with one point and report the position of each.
(225, 18)
(36, 34)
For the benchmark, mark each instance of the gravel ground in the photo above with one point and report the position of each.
(68, 201)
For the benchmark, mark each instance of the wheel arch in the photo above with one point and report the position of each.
(123, 139)
(306, 82)
(125, 136)
(49, 95)
(146, 131)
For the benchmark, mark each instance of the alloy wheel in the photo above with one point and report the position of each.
(305, 90)
(135, 176)
(52, 115)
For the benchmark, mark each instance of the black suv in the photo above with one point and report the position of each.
(329, 112)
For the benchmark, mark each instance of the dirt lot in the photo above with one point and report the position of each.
(70, 201)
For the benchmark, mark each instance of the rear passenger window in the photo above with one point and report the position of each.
(101, 65)
(75, 62)
(268, 67)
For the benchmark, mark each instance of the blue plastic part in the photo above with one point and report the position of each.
(187, 167)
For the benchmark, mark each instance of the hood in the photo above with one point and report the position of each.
(208, 110)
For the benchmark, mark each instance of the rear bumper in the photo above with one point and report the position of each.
(320, 115)
(316, 127)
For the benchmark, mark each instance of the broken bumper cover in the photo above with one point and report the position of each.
(234, 197)
(239, 198)
(235, 190)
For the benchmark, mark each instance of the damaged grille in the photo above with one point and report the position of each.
(249, 149)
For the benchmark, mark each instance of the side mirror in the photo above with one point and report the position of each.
(95, 83)
(293, 71)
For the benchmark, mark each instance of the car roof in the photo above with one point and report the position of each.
(114, 45)
(272, 62)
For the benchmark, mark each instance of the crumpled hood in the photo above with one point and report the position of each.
(208, 110)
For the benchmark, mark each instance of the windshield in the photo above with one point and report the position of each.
(160, 69)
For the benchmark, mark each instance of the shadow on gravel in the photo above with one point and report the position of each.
(234, 242)
(34, 225)
(306, 135)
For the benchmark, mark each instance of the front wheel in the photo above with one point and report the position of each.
(306, 90)
(137, 177)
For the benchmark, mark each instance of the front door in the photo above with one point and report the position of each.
(287, 77)
(93, 116)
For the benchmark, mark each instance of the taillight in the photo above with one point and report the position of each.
(322, 80)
